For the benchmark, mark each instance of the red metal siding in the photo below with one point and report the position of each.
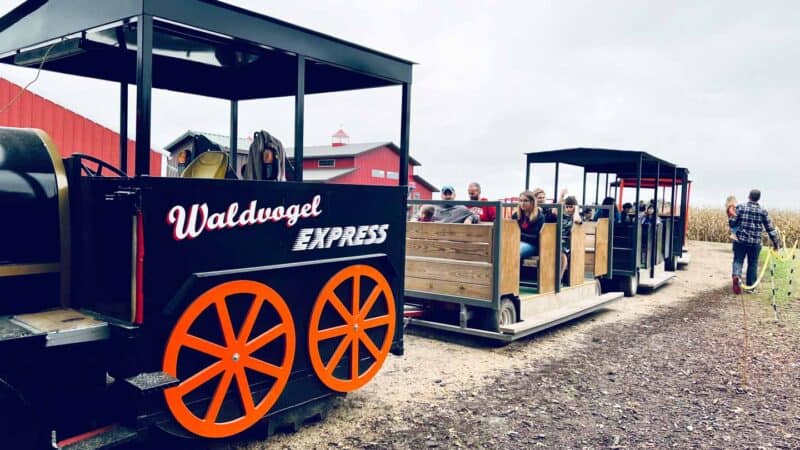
(385, 159)
(341, 163)
(382, 158)
(424, 193)
(71, 132)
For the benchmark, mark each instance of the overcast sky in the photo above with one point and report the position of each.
(711, 85)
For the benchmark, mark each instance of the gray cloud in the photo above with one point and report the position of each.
(708, 85)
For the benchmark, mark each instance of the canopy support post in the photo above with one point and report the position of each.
(299, 117)
(144, 83)
(405, 128)
(234, 143)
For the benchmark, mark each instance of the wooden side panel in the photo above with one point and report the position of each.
(450, 231)
(589, 231)
(462, 251)
(577, 255)
(547, 254)
(449, 270)
(476, 291)
(601, 248)
(589, 264)
(509, 257)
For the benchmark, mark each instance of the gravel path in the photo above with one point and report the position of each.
(655, 371)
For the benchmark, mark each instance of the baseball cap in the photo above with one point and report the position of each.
(446, 188)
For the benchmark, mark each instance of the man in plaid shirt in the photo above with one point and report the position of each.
(749, 219)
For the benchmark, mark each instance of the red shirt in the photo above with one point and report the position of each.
(487, 214)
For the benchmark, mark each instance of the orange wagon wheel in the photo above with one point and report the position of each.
(231, 359)
(353, 333)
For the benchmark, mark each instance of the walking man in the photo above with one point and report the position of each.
(750, 218)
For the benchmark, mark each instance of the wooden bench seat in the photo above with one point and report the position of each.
(531, 262)
(596, 248)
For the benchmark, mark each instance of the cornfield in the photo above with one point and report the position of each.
(711, 224)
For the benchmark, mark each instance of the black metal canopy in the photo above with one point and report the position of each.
(624, 163)
(203, 47)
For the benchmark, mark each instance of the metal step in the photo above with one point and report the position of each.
(63, 326)
(148, 382)
(548, 319)
(659, 279)
(15, 339)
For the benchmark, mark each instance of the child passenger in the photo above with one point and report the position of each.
(530, 219)
(426, 213)
(730, 210)
(568, 217)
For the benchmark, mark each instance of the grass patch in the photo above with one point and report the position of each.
(783, 273)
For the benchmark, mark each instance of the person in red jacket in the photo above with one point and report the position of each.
(487, 214)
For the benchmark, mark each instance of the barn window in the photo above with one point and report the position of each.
(326, 163)
(393, 175)
(377, 173)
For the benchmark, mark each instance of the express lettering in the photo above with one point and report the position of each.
(191, 224)
(351, 236)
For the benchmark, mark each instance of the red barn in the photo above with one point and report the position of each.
(71, 132)
(372, 163)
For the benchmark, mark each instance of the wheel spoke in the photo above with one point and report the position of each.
(200, 378)
(219, 396)
(244, 390)
(376, 292)
(376, 322)
(202, 345)
(262, 366)
(338, 354)
(250, 320)
(356, 294)
(367, 341)
(265, 338)
(340, 308)
(333, 332)
(354, 360)
(225, 322)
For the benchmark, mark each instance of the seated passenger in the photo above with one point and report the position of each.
(530, 219)
(426, 213)
(650, 215)
(568, 217)
(485, 214)
(587, 214)
(452, 213)
(541, 199)
(627, 213)
(602, 213)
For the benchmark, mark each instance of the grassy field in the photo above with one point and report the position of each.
(711, 224)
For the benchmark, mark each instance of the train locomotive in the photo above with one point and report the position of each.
(197, 307)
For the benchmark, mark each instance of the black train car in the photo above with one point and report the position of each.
(199, 307)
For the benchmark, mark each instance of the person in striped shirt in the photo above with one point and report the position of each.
(748, 221)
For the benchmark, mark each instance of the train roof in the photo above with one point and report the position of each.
(624, 163)
(203, 47)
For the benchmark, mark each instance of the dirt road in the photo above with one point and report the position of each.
(657, 370)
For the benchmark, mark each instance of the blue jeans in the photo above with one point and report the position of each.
(751, 251)
(527, 250)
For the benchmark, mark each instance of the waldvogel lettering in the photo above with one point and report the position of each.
(198, 219)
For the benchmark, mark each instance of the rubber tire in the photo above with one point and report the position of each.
(507, 310)
(630, 285)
